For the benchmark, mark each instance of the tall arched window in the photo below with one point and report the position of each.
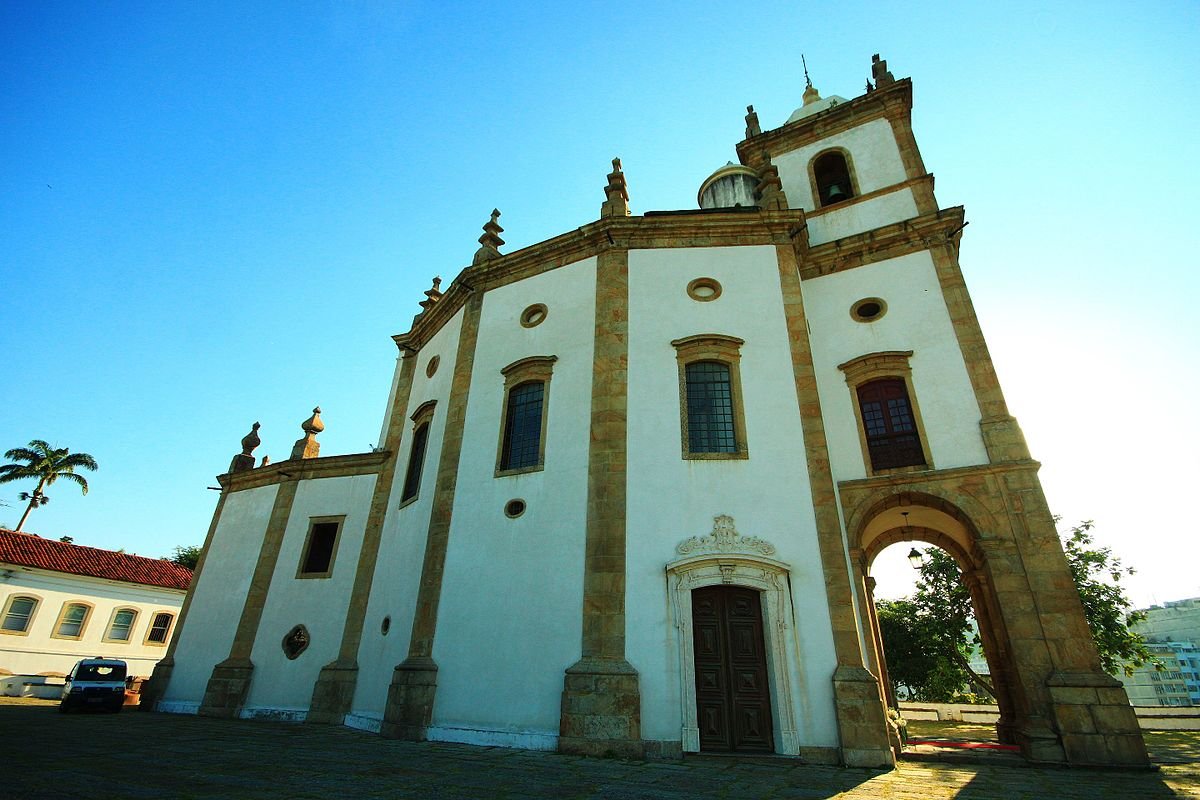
(889, 415)
(710, 405)
(523, 430)
(523, 426)
(832, 176)
(710, 408)
(422, 419)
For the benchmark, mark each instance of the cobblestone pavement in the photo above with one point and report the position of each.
(139, 755)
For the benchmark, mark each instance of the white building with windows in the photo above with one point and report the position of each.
(60, 602)
(1170, 683)
(631, 480)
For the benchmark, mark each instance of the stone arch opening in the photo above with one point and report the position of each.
(927, 519)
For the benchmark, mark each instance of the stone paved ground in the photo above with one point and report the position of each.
(138, 755)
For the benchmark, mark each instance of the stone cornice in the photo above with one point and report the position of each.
(881, 244)
(893, 100)
(693, 228)
(305, 469)
(954, 473)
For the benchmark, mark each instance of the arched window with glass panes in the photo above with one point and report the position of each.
(523, 423)
(890, 424)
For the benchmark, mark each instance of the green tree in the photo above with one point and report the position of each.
(918, 666)
(46, 464)
(186, 556)
(1098, 574)
(944, 600)
(929, 637)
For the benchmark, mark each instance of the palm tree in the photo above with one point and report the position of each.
(47, 464)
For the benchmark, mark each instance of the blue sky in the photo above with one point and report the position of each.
(216, 213)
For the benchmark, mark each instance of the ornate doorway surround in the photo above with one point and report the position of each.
(726, 557)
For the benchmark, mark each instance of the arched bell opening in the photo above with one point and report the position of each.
(932, 521)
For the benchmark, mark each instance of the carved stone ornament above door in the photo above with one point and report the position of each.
(724, 539)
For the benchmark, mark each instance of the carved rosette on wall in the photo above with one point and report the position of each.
(726, 557)
(296, 642)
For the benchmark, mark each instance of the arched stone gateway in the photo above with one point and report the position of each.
(1056, 702)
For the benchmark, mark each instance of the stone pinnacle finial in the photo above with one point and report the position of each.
(752, 126)
(432, 295)
(490, 241)
(617, 192)
(244, 460)
(251, 440)
(879, 72)
(769, 191)
(307, 446)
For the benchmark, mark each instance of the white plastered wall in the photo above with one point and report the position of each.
(38, 650)
(511, 603)
(402, 541)
(671, 499)
(219, 596)
(917, 319)
(876, 164)
(317, 603)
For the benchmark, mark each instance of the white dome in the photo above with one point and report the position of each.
(816, 107)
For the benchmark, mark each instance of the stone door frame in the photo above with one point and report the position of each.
(754, 571)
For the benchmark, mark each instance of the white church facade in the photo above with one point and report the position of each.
(632, 478)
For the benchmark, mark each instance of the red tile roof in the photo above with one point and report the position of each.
(28, 550)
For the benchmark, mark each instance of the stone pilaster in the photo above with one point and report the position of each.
(409, 708)
(862, 719)
(333, 693)
(601, 700)
(230, 681)
(1002, 435)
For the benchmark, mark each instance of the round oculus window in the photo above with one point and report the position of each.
(534, 315)
(385, 626)
(704, 289)
(868, 309)
(514, 508)
(432, 366)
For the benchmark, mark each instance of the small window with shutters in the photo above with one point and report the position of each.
(120, 627)
(18, 614)
(72, 621)
(160, 628)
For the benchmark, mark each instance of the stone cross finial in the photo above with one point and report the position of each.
(879, 72)
(244, 460)
(432, 295)
(307, 446)
(617, 192)
(752, 126)
(490, 241)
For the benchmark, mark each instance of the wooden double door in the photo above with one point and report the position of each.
(733, 701)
